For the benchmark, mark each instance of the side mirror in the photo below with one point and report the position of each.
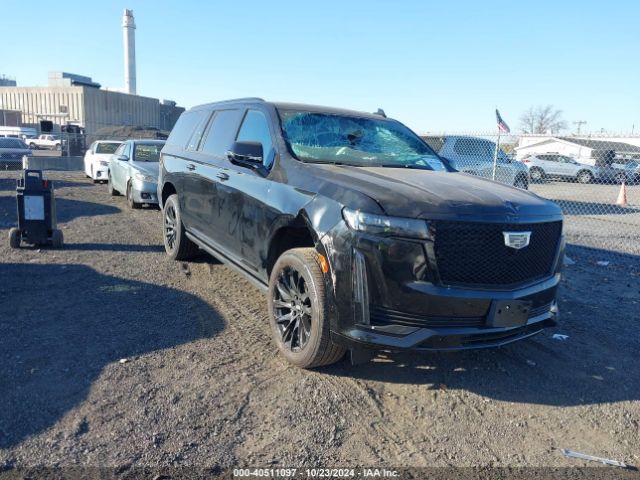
(122, 158)
(246, 154)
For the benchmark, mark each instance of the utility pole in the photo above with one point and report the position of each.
(579, 123)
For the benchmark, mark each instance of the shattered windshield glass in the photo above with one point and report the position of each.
(358, 141)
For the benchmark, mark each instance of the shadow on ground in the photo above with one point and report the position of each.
(9, 184)
(54, 343)
(66, 210)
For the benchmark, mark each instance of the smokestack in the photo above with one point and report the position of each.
(129, 38)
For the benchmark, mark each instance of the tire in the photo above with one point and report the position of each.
(536, 174)
(58, 147)
(33, 146)
(15, 237)
(306, 299)
(57, 239)
(112, 191)
(132, 204)
(521, 182)
(584, 176)
(176, 243)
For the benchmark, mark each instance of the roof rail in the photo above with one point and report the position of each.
(244, 99)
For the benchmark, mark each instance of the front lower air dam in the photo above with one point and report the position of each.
(360, 289)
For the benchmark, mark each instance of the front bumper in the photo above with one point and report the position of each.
(404, 310)
(100, 172)
(144, 192)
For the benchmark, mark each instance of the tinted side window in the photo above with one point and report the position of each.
(473, 146)
(222, 131)
(199, 130)
(183, 130)
(256, 129)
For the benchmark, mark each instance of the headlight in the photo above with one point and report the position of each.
(104, 163)
(384, 225)
(144, 178)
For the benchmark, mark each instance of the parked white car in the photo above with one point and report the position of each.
(96, 159)
(45, 142)
(548, 165)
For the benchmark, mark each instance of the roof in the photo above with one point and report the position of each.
(598, 145)
(603, 145)
(293, 106)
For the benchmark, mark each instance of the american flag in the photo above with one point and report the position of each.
(502, 125)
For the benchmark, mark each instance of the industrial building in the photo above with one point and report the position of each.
(67, 100)
(78, 101)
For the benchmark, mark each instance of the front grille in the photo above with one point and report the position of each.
(386, 316)
(474, 253)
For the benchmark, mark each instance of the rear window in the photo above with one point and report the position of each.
(12, 143)
(107, 147)
(185, 126)
(145, 152)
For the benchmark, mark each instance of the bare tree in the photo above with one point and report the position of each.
(542, 119)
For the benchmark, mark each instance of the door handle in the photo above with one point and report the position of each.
(223, 176)
(191, 166)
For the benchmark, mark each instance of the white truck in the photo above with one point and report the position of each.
(44, 141)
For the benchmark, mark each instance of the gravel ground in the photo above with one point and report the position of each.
(112, 355)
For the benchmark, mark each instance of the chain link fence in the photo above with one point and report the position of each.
(594, 179)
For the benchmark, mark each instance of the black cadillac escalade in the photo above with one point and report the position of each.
(361, 235)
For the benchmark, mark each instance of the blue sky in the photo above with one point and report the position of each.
(433, 65)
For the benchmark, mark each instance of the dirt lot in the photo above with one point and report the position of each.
(112, 355)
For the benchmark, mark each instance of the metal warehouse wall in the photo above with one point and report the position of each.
(58, 104)
(104, 108)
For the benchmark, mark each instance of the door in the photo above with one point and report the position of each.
(551, 165)
(566, 166)
(120, 167)
(247, 192)
(208, 200)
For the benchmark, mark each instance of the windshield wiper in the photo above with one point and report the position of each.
(395, 165)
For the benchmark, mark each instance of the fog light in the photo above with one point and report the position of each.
(360, 289)
(98, 174)
(145, 195)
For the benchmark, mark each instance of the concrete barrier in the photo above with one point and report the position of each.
(54, 163)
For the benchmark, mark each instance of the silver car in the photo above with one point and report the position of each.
(554, 165)
(11, 152)
(133, 171)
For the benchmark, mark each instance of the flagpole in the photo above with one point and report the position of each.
(495, 155)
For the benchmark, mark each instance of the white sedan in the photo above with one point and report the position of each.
(96, 159)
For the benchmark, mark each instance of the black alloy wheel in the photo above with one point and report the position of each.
(292, 309)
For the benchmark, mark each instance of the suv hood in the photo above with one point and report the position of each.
(436, 195)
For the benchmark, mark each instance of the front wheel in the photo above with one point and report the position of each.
(299, 312)
(33, 146)
(585, 177)
(132, 203)
(58, 147)
(176, 243)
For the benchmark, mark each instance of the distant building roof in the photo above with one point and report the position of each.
(603, 144)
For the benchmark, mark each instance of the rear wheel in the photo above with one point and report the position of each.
(298, 310)
(536, 174)
(15, 237)
(176, 243)
(112, 190)
(521, 182)
(33, 146)
(584, 176)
